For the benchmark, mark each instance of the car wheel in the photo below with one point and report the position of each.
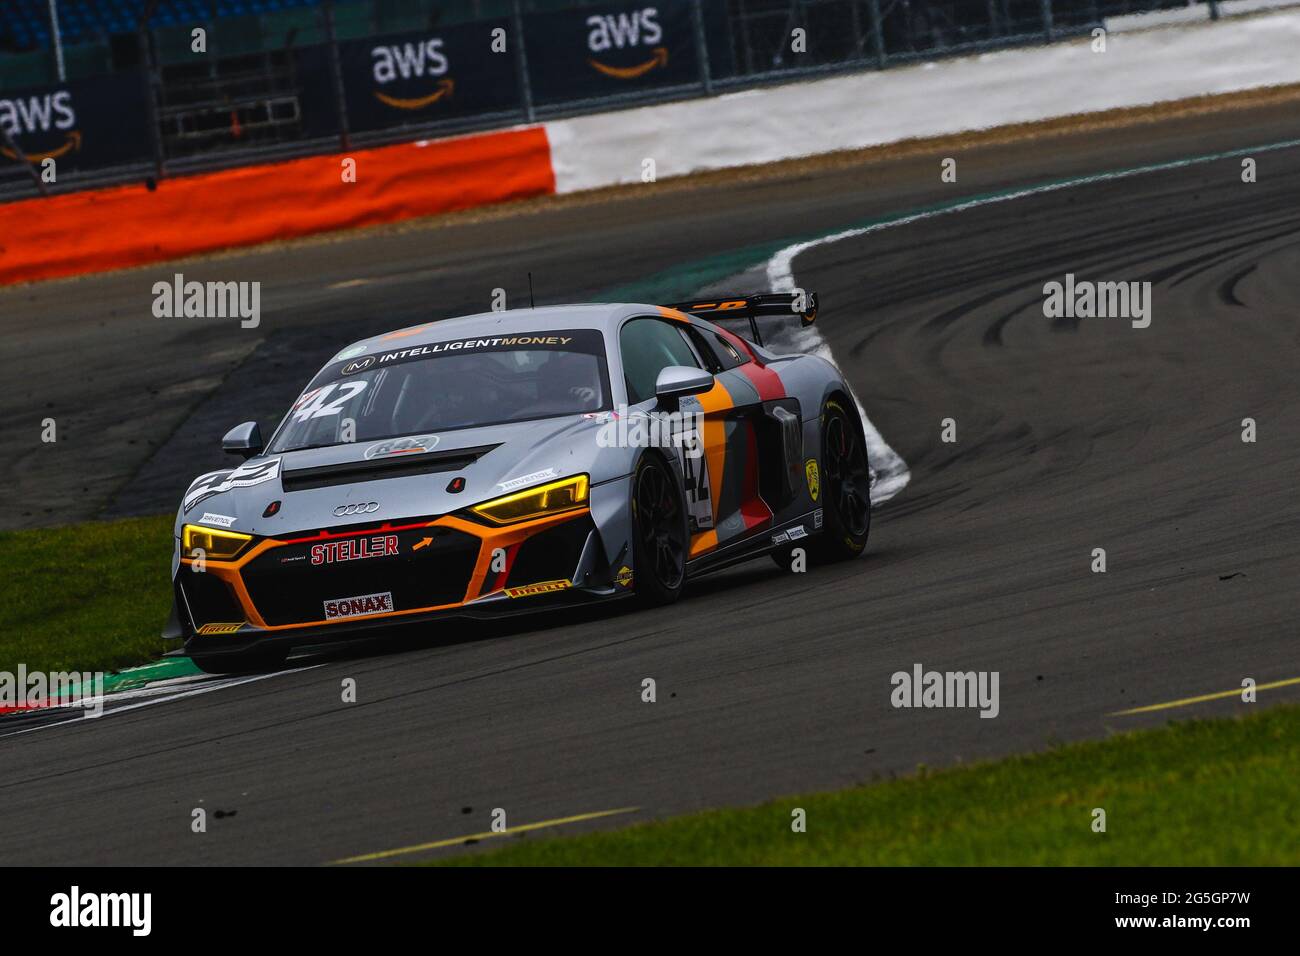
(846, 487)
(783, 557)
(659, 533)
(252, 661)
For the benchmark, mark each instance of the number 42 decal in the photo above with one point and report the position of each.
(313, 405)
(695, 477)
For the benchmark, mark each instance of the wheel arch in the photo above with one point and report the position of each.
(839, 392)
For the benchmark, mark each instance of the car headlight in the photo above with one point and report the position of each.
(551, 498)
(216, 545)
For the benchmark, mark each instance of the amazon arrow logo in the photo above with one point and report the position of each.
(445, 88)
(660, 59)
(72, 144)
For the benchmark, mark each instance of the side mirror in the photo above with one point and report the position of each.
(245, 439)
(678, 381)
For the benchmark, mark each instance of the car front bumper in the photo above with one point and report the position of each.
(392, 572)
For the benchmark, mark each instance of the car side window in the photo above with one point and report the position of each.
(648, 346)
(719, 354)
(727, 353)
(700, 345)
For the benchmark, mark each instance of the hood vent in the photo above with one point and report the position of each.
(397, 466)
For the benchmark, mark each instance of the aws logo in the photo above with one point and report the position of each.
(41, 117)
(626, 31)
(408, 62)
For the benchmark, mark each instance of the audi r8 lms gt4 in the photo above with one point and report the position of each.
(516, 461)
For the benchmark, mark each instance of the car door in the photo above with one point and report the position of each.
(647, 346)
(733, 487)
(742, 487)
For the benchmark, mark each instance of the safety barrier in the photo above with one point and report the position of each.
(122, 226)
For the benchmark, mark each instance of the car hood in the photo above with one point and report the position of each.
(371, 481)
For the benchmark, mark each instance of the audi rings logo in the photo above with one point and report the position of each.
(361, 508)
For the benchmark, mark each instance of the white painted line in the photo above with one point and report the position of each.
(807, 116)
(219, 684)
(112, 697)
(1154, 19)
(1192, 13)
(892, 472)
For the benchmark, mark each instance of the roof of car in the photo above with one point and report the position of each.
(603, 316)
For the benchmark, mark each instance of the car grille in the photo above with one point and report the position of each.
(550, 554)
(208, 598)
(431, 567)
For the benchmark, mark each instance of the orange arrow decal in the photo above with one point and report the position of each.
(445, 88)
(403, 333)
(660, 58)
(73, 143)
(422, 543)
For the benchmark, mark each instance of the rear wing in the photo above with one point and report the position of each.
(802, 304)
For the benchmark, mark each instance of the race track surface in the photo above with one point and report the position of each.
(1071, 436)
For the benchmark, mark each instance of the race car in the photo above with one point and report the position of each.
(517, 461)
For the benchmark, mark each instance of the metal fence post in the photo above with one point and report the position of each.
(336, 68)
(878, 33)
(154, 83)
(521, 62)
(702, 46)
(1214, 9)
(1047, 20)
(57, 37)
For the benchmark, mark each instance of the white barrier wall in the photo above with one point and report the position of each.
(928, 99)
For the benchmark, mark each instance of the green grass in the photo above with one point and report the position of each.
(1210, 792)
(90, 596)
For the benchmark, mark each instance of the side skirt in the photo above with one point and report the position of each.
(792, 531)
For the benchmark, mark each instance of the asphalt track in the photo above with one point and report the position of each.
(1071, 436)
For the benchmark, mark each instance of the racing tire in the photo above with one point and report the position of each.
(845, 487)
(660, 534)
(252, 661)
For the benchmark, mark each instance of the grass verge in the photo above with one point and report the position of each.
(1202, 793)
(90, 596)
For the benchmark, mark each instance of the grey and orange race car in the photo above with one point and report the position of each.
(514, 461)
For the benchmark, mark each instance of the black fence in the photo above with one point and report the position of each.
(195, 95)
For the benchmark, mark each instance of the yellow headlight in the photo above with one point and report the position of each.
(215, 544)
(556, 496)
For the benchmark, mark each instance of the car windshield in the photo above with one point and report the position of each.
(441, 386)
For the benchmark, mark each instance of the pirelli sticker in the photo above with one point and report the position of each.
(544, 587)
(221, 628)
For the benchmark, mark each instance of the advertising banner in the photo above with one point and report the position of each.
(441, 73)
(81, 124)
(610, 48)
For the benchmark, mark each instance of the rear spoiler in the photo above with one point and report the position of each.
(802, 304)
